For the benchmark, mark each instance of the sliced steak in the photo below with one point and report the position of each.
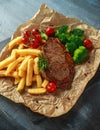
(61, 66)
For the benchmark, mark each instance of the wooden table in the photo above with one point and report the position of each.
(14, 12)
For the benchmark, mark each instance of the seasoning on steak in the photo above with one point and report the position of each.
(61, 66)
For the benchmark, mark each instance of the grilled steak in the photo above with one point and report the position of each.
(61, 66)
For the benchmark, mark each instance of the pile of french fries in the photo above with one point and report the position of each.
(22, 65)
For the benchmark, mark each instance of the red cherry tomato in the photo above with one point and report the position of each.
(88, 43)
(35, 31)
(38, 37)
(51, 87)
(34, 43)
(27, 33)
(25, 39)
(50, 31)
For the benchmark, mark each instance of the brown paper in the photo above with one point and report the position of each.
(61, 102)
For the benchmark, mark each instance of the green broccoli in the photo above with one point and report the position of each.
(62, 33)
(63, 29)
(71, 39)
(60, 30)
(80, 54)
(77, 40)
(63, 38)
(73, 43)
(71, 47)
(77, 32)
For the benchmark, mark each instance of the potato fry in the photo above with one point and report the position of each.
(37, 90)
(21, 84)
(13, 53)
(17, 80)
(21, 46)
(14, 42)
(13, 74)
(34, 78)
(23, 66)
(39, 81)
(45, 82)
(13, 65)
(29, 72)
(2, 73)
(7, 61)
(36, 68)
(25, 52)
(21, 73)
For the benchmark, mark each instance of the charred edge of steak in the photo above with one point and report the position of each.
(61, 65)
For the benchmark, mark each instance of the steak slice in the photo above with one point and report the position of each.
(61, 66)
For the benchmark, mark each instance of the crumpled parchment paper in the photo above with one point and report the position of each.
(61, 102)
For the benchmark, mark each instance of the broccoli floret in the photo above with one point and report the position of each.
(60, 30)
(68, 35)
(73, 37)
(62, 33)
(77, 32)
(71, 47)
(62, 37)
(77, 40)
(73, 43)
(63, 29)
(80, 54)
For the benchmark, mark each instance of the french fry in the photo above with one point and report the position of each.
(29, 72)
(37, 91)
(39, 81)
(17, 80)
(13, 65)
(23, 66)
(13, 53)
(21, 73)
(14, 42)
(45, 82)
(21, 46)
(13, 74)
(2, 73)
(7, 61)
(25, 52)
(34, 78)
(21, 84)
(36, 68)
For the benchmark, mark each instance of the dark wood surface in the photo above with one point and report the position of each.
(85, 115)
(15, 12)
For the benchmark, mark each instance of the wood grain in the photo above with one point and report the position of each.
(14, 12)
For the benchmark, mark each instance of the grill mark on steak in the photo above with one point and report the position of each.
(61, 66)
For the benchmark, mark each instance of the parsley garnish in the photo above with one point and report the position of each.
(42, 63)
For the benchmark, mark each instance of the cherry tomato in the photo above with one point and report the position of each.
(27, 33)
(34, 43)
(51, 87)
(25, 39)
(88, 43)
(38, 37)
(50, 31)
(35, 31)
